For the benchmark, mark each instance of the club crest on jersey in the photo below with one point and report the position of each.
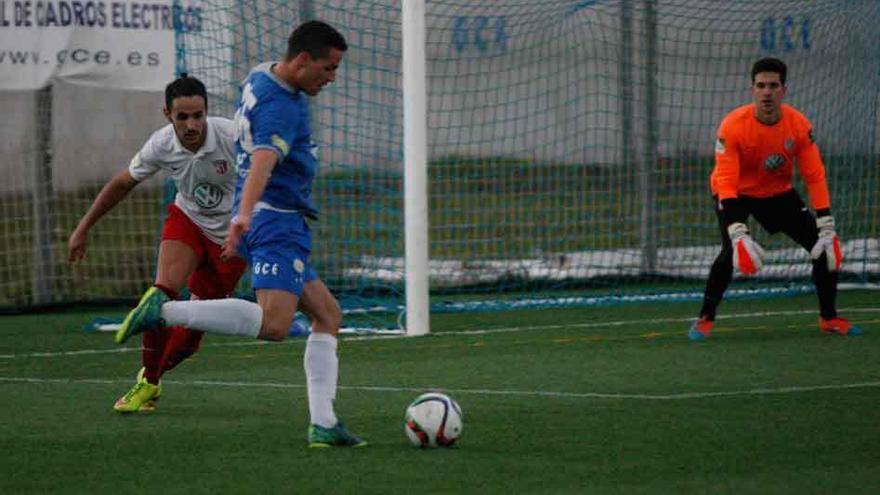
(221, 166)
(207, 195)
(774, 162)
(719, 146)
(298, 265)
(788, 143)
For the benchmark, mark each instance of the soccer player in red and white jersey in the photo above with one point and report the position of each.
(757, 149)
(198, 152)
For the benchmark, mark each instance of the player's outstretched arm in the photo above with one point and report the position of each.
(812, 171)
(113, 192)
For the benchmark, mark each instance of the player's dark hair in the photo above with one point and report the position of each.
(185, 85)
(315, 38)
(770, 65)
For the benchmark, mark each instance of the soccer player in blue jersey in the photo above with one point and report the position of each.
(276, 167)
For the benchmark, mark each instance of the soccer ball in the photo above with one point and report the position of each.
(433, 420)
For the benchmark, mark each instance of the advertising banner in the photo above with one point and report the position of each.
(122, 44)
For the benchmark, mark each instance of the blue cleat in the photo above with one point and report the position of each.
(338, 436)
(146, 316)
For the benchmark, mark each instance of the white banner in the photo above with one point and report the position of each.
(124, 44)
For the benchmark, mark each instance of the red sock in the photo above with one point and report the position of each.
(182, 344)
(155, 343)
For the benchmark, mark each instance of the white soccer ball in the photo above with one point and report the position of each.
(433, 420)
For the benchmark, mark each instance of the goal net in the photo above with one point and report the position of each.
(569, 142)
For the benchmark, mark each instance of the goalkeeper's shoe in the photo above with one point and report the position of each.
(338, 436)
(140, 398)
(701, 329)
(146, 316)
(838, 326)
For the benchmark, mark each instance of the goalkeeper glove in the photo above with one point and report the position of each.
(828, 243)
(747, 253)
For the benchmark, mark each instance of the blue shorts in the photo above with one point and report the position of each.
(277, 246)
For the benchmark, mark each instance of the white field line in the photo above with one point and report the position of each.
(466, 391)
(615, 323)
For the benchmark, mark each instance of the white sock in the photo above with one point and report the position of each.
(322, 373)
(217, 316)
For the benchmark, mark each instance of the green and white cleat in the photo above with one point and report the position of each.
(140, 398)
(338, 436)
(146, 316)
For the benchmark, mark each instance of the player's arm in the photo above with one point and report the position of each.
(111, 194)
(812, 171)
(263, 161)
(809, 162)
(726, 174)
(747, 254)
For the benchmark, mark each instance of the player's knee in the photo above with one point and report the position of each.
(273, 332)
(335, 315)
(330, 318)
(274, 327)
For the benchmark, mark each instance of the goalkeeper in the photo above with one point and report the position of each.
(757, 148)
(199, 152)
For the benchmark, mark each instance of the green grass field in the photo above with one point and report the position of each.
(600, 400)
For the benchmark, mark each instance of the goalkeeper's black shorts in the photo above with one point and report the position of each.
(785, 213)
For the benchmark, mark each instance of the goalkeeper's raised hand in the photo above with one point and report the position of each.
(828, 243)
(747, 254)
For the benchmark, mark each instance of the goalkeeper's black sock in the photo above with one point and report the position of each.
(826, 288)
(709, 308)
(719, 279)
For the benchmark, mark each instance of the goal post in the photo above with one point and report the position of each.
(415, 165)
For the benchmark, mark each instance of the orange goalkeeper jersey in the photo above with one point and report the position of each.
(758, 160)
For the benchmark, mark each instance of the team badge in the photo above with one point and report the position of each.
(207, 195)
(221, 166)
(298, 265)
(774, 162)
(719, 146)
(789, 144)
